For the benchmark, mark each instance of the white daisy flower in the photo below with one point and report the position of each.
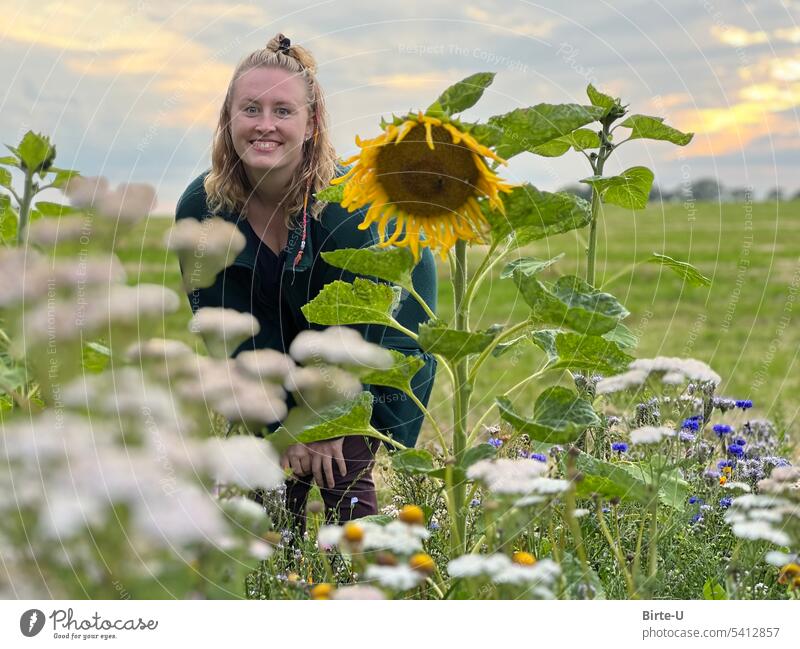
(358, 591)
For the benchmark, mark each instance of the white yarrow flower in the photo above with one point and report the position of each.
(400, 577)
(650, 434)
(223, 330)
(339, 346)
(509, 476)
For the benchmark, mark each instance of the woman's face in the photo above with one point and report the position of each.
(269, 120)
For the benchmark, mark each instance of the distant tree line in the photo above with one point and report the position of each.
(702, 189)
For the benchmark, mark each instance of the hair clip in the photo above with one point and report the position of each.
(284, 44)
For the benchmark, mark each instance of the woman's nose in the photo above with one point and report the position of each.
(266, 124)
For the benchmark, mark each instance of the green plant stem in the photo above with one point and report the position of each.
(427, 414)
(615, 548)
(489, 262)
(493, 345)
(413, 293)
(574, 526)
(457, 492)
(25, 208)
(476, 429)
(652, 547)
(396, 325)
(602, 155)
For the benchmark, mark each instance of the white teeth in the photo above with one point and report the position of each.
(265, 146)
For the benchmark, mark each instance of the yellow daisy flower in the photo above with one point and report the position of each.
(428, 175)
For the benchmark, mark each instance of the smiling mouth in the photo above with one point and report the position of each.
(260, 145)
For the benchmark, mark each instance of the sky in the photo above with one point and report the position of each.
(132, 90)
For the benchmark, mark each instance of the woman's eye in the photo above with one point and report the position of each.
(283, 112)
(251, 110)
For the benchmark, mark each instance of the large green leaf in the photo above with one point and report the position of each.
(673, 489)
(62, 176)
(399, 375)
(54, 209)
(529, 265)
(653, 128)
(571, 303)
(436, 338)
(589, 354)
(477, 453)
(623, 336)
(531, 214)
(461, 95)
(389, 264)
(35, 152)
(303, 426)
(610, 480)
(559, 416)
(630, 189)
(523, 129)
(9, 220)
(580, 140)
(413, 460)
(342, 303)
(606, 102)
(332, 193)
(683, 269)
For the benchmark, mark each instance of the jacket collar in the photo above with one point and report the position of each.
(248, 256)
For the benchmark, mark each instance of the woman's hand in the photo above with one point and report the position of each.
(317, 458)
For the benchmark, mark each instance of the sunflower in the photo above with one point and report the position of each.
(427, 174)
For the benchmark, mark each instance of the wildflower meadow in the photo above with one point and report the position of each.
(594, 430)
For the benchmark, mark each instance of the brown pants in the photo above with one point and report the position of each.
(353, 496)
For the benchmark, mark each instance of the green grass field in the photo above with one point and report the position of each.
(744, 325)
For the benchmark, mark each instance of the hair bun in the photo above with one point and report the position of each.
(281, 44)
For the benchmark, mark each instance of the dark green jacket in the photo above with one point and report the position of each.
(237, 287)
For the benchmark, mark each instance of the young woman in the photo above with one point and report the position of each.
(271, 153)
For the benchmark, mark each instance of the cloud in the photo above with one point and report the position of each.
(513, 21)
(738, 37)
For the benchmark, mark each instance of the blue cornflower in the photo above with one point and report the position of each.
(744, 404)
(433, 525)
(725, 502)
(686, 436)
(741, 441)
(723, 463)
(496, 442)
(695, 499)
(353, 501)
(722, 429)
(541, 457)
(619, 447)
(697, 518)
(475, 502)
(736, 450)
(690, 424)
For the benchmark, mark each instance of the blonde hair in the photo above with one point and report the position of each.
(227, 186)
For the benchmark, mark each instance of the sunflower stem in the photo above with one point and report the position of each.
(602, 155)
(463, 390)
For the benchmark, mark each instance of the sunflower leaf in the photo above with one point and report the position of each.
(54, 209)
(571, 303)
(524, 129)
(623, 336)
(653, 128)
(631, 189)
(683, 269)
(589, 354)
(528, 265)
(342, 303)
(8, 219)
(414, 461)
(389, 264)
(332, 193)
(399, 375)
(580, 140)
(601, 100)
(303, 426)
(531, 214)
(462, 95)
(559, 416)
(35, 152)
(610, 481)
(436, 338)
